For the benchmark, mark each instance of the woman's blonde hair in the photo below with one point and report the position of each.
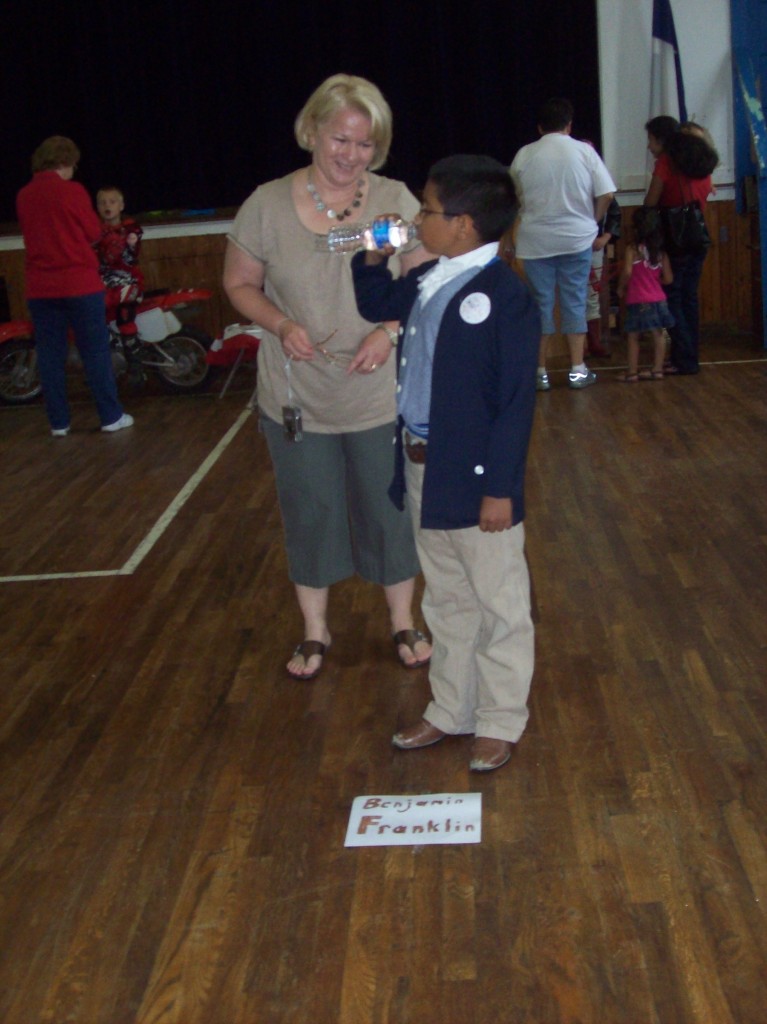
(337, 93)
(56, 151)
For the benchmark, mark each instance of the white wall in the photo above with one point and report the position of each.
(625, 57)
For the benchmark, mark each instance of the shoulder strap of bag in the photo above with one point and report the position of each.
(685, 202)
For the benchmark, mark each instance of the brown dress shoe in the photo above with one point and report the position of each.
(488, 754)
(422, 734)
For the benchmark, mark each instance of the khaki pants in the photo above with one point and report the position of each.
(477, 606)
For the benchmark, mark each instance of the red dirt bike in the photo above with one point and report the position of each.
(163, 344)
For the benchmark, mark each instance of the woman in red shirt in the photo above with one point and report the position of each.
(682, 174)
(63, 288)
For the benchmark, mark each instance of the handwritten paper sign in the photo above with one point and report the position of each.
(430, 819)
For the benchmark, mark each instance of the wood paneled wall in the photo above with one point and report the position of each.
(12, 274)
(731, 283)
(192, 261)
(730, 289)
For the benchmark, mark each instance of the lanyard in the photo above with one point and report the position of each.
(288, 368)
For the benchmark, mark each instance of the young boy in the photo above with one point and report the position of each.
(118, 250)
(467, 354)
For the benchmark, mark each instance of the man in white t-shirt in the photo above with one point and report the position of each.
(564, 189)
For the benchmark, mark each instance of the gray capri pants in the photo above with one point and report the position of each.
(336, 511)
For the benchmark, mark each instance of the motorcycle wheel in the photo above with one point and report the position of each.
(187, 348)
(19, 376)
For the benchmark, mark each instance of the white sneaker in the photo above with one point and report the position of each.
(542, 382)
(126, 420)
(60, 433)
(578, 379)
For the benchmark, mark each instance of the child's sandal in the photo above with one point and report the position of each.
(627, 378)
(651, 375)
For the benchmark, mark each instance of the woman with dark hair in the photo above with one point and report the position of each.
(681, 177)
(659, 129)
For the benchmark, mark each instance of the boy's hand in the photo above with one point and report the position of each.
(495, 514)
(375, 256)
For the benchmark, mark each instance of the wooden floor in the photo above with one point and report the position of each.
(174, 807)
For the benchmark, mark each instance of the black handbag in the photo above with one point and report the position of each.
(684, 228)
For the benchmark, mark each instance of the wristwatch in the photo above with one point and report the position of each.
(390, 334)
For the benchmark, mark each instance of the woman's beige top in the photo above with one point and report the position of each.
(315, 289)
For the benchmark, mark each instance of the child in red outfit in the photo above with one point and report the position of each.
(118, 250)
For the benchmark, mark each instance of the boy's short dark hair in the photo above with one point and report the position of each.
(662, 127)
(478, 186)
(555, 114)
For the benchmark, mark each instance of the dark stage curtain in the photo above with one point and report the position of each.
(191, 106)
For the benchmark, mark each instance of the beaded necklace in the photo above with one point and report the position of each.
(320, 204)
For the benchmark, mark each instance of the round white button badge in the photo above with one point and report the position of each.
(475, 308)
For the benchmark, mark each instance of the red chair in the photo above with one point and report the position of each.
(239, 343)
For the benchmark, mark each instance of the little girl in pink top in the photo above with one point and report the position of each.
(646, 269)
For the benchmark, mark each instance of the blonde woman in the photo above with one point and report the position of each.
(325, 375)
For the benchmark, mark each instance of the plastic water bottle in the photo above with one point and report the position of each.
(375, 234)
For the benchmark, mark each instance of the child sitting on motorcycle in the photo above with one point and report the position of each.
(118, 250)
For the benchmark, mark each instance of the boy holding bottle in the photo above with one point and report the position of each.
(467, 354)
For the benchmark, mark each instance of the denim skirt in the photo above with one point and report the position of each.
(647, 316)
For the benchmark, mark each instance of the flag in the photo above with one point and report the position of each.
(667, 85)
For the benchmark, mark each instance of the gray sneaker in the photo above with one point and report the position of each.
(126, 420)
(542, 382)
(578, 379)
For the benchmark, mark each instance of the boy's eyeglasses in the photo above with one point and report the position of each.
(425, 211)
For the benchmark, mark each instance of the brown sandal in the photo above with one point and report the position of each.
(651, 375)
(627, 378)
(307, 649)
(409, 638)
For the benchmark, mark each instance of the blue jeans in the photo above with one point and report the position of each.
(86, 316)
(682, 298)
(567, 275)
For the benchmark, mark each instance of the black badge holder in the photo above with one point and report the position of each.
(292, 421)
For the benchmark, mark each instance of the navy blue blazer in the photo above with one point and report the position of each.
(482, 392)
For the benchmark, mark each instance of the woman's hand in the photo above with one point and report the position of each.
(244, 286)
(372, 353)
(296, 343)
